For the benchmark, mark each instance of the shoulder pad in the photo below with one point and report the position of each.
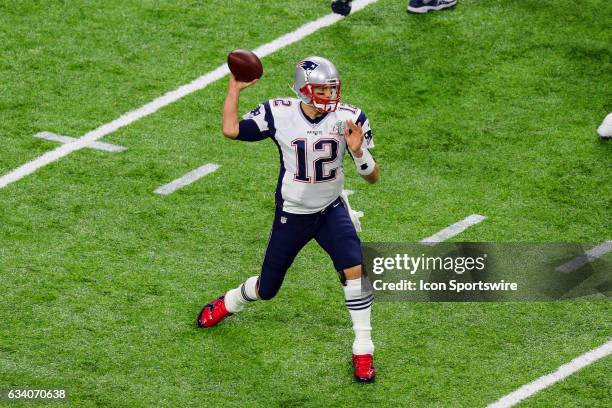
(283, 102)
(347, 110)
(282, 107)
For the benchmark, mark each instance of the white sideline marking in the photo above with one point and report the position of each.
(107, 147)
(545, 381)
(348, 192)
(453, 230)
(587, 257)
(187, 179)
(170, 97)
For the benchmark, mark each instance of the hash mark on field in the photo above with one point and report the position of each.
(545, 381)
(453, 230)
(587, 257)
(187, 179)
(107, 147)
(170, 97)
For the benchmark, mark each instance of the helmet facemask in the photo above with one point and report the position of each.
(322, 104)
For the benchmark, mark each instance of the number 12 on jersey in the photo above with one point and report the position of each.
(301, 153)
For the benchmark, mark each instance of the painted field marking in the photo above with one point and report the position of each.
(170, 97)
(545, 381)
(587, 257)
(187, 179)
(453, 230)
(107, 147)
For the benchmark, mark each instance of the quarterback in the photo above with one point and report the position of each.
(312, 133)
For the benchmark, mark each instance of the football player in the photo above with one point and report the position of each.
(414, 6)
(424, 6)
(312, 133)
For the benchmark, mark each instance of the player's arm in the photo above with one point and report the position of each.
(231, 125)
(366, 166)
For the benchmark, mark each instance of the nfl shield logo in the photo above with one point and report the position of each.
(283, 220)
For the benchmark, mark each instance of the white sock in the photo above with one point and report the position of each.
(237, 298)
(360, 309)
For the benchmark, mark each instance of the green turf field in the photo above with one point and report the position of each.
(490, 108)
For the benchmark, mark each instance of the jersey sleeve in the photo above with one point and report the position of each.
(367, 130)
(254, 125)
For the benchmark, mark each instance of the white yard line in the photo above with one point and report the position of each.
(187, 179)
(107, 147)
(587, 257)
(562, 372)
(453, 230)
(170, 97)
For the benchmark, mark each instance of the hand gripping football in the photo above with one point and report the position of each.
(245, 65)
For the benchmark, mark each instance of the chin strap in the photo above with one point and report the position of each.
(294, 91)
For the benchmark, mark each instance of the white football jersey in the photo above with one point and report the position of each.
(312, 151)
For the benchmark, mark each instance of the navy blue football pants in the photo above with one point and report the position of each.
(332, 228)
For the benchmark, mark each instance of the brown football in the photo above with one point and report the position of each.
(245, 65)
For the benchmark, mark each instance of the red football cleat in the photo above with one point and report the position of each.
(212, 313)
(364, 368)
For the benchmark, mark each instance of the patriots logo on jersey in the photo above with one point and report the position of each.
(308, 67)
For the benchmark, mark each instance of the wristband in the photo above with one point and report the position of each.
(365, 164)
